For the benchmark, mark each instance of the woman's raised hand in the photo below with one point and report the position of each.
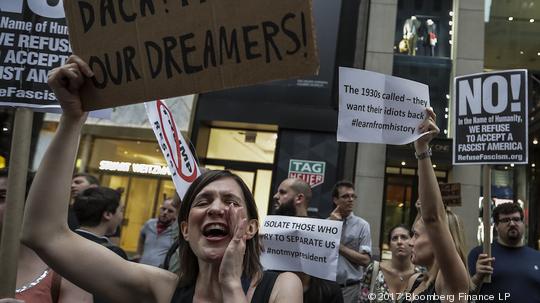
(230, 270)
(427, 126)
(66, 81)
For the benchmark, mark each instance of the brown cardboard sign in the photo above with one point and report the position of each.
(451, 193)
(142, 50)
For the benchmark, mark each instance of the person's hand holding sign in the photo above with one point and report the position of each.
(66, 82)
(430, 130)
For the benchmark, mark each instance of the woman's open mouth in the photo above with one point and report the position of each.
(215, 231)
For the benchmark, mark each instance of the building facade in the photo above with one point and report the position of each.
(268, 132)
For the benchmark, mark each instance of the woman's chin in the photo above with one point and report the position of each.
(213, 256)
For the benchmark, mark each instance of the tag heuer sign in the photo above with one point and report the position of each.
(310, 171)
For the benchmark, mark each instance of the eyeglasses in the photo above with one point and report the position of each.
(347, 197)
(513, 219)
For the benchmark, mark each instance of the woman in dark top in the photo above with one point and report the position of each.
(218, 221)
(437, 241)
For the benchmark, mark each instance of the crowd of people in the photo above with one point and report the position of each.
(212, 238)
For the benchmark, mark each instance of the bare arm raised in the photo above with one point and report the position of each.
(89, 265)
(454, 273)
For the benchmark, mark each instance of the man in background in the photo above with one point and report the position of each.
(158, 235)
(514, 267)
(292, 199)
(355, 246)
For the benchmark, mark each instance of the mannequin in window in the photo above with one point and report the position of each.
(431, 36)
(410, 33)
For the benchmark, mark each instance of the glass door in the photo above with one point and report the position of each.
(140, 199)
(247, 153)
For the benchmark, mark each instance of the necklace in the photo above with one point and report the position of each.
(33, 283)
(401, 275)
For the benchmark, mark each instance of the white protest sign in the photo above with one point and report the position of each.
(183, 166)
(301, 244)
(377, 108)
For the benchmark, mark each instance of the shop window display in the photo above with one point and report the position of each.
(424, 28)
(419, 36)
(422, 44)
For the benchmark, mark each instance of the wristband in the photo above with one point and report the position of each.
(423, 155)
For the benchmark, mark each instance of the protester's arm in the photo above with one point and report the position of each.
(70, 292)
(356, 257)
(89, 265)
(362, 257)
(287, 289)
(454, 273)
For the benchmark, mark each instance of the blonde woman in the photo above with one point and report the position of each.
(437, 242)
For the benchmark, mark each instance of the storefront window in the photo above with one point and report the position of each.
(401, 193)
(397, 206)
(241, 145)
(511, 28)
(247, 153)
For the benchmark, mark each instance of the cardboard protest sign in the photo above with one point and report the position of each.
(144, 49)
(377, 108)
(491, 125)
(301, 244)
(181, 162)
(33, 40)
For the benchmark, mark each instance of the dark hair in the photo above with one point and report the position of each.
(90, 178)
(92, 203)
(506, 209)
(404, 226)
(189, 266)
(343, 183)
